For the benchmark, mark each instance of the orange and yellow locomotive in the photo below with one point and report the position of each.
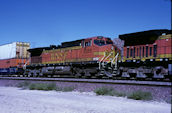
(147, 54)
(95, 56)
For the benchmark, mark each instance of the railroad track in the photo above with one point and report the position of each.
(102, 81)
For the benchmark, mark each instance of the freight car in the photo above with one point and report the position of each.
(95, 56)
(12, 58)
(147, 54)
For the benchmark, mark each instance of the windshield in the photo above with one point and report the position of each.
(102, 42)
(99, 42)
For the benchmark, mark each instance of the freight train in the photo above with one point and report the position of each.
(145, 55)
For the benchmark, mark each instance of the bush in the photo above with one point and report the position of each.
(137, 95)
(103, 91)
(24, 84)
(140, 95)
(32, 87)
(120, 94)
(168, 100)
(67, 89)
(59, 88)
(42, 86)
(37, 86)
(50, 86)
(108, 91)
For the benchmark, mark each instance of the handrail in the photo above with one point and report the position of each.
(102, 59)
(107, 57)
(115, 58)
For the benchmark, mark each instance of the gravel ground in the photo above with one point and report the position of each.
(160, 94)
(15, 100)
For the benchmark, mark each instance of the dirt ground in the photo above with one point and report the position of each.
(15, 100)
(160, 94)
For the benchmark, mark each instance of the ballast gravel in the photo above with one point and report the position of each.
(16, 100)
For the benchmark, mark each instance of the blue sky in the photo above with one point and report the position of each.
(46, 22)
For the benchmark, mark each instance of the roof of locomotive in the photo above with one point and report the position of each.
(71, 43)
(144, 37)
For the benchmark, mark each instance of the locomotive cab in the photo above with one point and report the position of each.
(106, 54)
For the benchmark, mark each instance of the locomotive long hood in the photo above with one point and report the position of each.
(37, 51)
(144, 37)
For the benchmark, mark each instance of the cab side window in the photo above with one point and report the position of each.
(88, 43)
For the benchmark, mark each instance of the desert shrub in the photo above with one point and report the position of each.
(42, 86)
(32, 87)
(105, 91)
(169, 100)
(59, 88)
(24, 84)
(51, 86)
(119, 94)
(67, 89)
(140, 95)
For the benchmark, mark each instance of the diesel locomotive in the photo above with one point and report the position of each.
(147, 54)
(95, 56)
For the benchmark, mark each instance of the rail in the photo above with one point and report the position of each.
(104, 81)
